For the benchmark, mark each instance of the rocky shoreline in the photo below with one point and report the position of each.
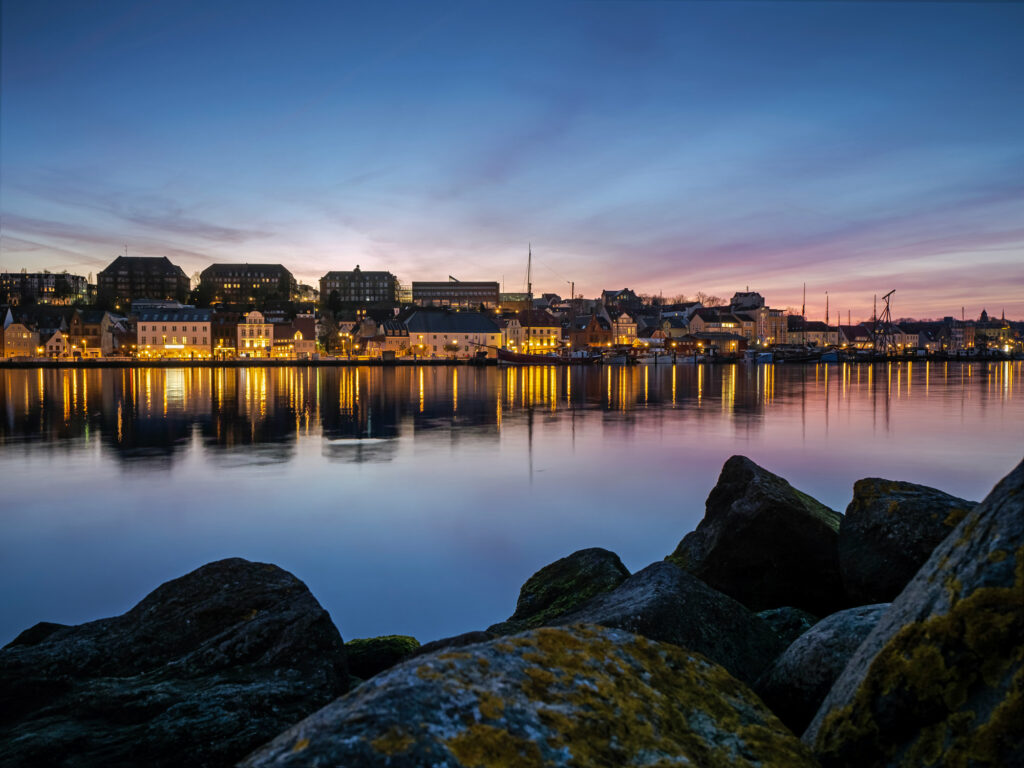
(778, 633)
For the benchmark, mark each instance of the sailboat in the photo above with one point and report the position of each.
(529, 358)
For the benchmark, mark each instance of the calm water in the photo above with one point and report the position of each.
(417, 500)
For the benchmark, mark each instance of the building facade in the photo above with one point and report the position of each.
(58, 288)
(255, 336)
(359, 287)
(455, 293)
(247, 283)
(141, 277)
(181, 334)
(20, 341)
(452, 334)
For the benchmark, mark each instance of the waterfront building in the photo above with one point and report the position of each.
(452, 334)
(855, 336)
(141, 277)
(20, 341)
(537, 332)
(356, 287)
(456, 293)
(623, 327)
(675, 327)
(773, 326)
(181, 334)
(85, 331)
(59, 288)
(247, 283)
(58, 345)
(713, 343)
(590, 331)
(255, 336)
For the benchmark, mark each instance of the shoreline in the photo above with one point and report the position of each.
(16, 364)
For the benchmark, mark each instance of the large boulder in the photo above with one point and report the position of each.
(889, 531)
(799, 680)
(788, 622)
(665, 603)
(941, 677)
(562, 586)
(369, 656)
(580, 696)
(203, 670)
(765, 543)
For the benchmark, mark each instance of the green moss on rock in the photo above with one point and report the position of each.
(575, 696)
(372, 655)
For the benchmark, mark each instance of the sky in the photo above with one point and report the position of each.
(669, 147)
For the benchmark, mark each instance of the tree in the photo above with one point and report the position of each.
(708, 300)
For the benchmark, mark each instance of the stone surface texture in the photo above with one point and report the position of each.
(788, 622)
(765, 543)
(940, 680)
(369, 656)
(578, 696)
(799, 680)
(665, 603)
(888, 532)
(562, 586)
(203, 670)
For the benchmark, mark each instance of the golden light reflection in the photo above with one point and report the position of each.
(729, 389)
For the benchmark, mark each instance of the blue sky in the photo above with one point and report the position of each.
(665, 146)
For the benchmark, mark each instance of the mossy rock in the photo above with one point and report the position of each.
(765, 543)
(940, 680)
(561, 586)
(202, 671)
(369, 656)
(889, 531)
(575, 696)
(665, 603)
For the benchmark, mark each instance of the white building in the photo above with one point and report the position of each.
(179, 334)
(255, 336)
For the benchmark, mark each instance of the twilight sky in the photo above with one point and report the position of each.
(663, 146)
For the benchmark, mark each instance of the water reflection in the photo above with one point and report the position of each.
(246, 415)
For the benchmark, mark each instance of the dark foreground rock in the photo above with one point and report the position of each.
(562, 586)
(888, 532)
(456, 641)
(765, 543)
(941, 678)
(203, 670)
(580, 696)
(665, 603)
(370, 656)
(788, 622)
(799, 680)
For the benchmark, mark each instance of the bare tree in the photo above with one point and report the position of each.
(708, 300)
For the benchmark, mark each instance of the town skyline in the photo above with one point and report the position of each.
(857, 148)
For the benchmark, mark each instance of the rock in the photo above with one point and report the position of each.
(203, 670)
(797, 682)
(35, 634)
(888, 532)
(788, 622)
(580, 696)
(665, 603)
(456, 641)
(941, 677)
(372, 655)
(765, 543)
(563, 585)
